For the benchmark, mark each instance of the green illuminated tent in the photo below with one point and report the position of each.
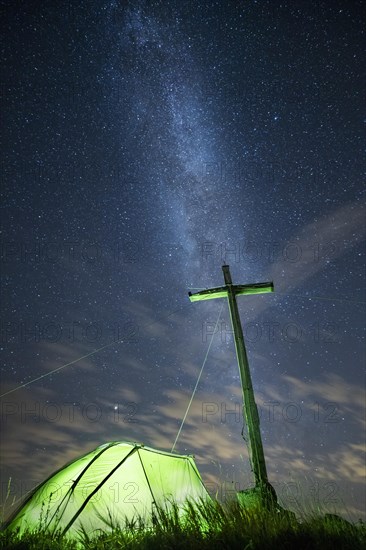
(116, 482)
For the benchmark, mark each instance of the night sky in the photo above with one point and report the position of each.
(144, 145)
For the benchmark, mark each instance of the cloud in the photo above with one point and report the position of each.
(349, 398)
(318, 243)
(215, 440)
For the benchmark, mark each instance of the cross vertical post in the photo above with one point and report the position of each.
(250, 411)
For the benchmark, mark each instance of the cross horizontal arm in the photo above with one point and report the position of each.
(221, 292)
(256, 288)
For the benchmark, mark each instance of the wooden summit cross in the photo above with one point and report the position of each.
(250, 411)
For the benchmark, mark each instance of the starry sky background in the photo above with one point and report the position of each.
(144, 145)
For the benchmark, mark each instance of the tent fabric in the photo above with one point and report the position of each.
(118, 481)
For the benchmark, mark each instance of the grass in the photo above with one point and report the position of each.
(208, 526)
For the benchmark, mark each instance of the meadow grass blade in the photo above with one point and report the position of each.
(204, 525)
